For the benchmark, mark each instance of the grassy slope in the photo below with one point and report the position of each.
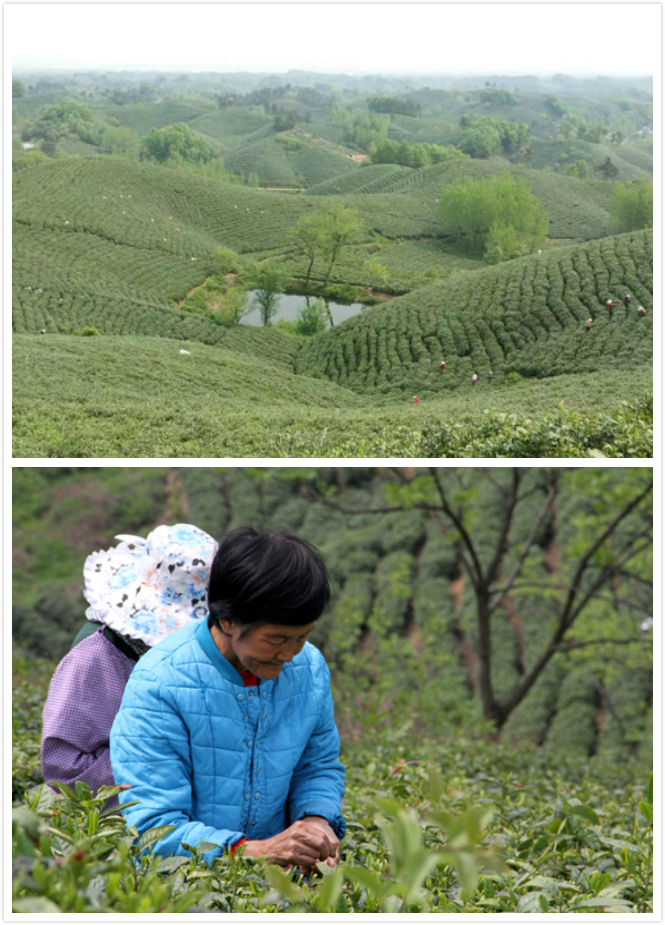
(526, 316)
(115, 396)
(123, 288)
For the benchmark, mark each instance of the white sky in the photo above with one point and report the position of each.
(518, 38)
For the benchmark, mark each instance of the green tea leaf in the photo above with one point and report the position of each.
(153, 835)
(646, 809)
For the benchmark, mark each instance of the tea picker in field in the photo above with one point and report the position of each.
(641, 311)
(589, 324)
(226, 729)
(138, 591)
(609, 307)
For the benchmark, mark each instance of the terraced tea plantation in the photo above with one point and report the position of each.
(527, 318)
(107, 249)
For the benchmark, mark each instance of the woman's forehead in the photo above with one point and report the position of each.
(276, 629)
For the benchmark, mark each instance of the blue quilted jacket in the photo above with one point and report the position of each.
(221, 761)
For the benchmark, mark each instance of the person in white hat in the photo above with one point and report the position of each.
(139, 592)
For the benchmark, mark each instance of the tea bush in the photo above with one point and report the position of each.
(458, 825)
(527, 316)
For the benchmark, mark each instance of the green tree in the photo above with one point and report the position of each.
(225, 260)
(233, 306)
(65, 117)
(362, 128)
(310, 237)
(321, 234)
(607, 169)
(470, 209)
(284, 121)
(175, 142)
(480, 141)
(344, 227)
(502, 243)
(482, 136)
(597, 595)
(268, 283)
(578, 169)
(18, 89)
(312, 318)
(378, 273)
(632, 206)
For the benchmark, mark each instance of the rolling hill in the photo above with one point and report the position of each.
(525, 317)
(113, 245)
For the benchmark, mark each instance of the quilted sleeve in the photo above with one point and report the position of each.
(150, 752)
(317, 785)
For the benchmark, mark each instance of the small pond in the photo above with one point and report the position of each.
(290, 304)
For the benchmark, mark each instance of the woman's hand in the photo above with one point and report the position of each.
(304, 843)
(333, 859)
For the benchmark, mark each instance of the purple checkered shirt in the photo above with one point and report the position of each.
(83, 699)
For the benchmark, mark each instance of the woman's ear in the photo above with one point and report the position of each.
(227, 627)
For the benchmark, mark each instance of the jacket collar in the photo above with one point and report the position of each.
(223, 665)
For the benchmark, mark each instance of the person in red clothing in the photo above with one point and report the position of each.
(416, 400)
(475, 378)
(609, 307)
(443, 366)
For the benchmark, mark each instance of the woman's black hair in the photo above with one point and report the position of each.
(261, 577)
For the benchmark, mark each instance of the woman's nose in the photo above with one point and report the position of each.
(288, 653)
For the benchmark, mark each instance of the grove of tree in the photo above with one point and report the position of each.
(632, 206)
(498, 215)
(173, 143)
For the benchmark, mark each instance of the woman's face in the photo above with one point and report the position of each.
(264, 650)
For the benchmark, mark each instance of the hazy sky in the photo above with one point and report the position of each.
(524, 38)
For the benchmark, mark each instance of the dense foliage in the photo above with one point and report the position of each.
(632, 206)
(175, 142)
(482, 136)
(499, 215)
(453, 827)
(422, 155)
(66, 117)
(243, 400)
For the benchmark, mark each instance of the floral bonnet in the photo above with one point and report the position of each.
(146, 588)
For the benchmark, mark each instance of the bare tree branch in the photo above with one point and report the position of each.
(499, 595)
(604, 575)
(595, 546)
(569, 646)
(458, 525)
(509, 503)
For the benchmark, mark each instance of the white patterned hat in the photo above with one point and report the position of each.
(146, 588)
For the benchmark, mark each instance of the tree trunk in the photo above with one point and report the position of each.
(491, 709)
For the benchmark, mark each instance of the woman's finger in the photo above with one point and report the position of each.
(319, 841)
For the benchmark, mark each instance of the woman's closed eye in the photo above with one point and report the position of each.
(280, 642)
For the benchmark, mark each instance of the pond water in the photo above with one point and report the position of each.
(290, 304)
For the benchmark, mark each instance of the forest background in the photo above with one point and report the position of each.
(490, 642)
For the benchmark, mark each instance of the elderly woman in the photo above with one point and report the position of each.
(226, 729)
(139, 591)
